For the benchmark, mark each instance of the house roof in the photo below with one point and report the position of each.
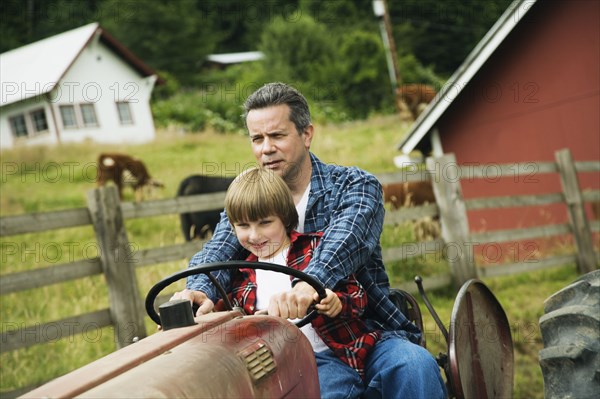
(236, 58)
(36, 68)
(465, 73)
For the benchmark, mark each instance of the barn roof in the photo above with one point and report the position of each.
(465, 73)
(36, 68)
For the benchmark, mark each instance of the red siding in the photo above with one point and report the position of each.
(538, 93)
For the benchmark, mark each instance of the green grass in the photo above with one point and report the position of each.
(522, 297)
(41, 179)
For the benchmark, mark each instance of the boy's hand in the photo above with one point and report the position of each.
(330, 306)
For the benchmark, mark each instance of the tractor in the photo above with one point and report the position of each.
(227, 354)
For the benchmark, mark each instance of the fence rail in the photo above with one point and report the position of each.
(106, 215)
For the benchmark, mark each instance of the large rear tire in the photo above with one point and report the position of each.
(570, 328)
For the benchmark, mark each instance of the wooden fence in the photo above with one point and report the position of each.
(118, 262)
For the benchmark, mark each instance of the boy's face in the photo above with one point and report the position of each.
(265, 238)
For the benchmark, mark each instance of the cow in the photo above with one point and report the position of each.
(416, 96)
(596, 210)
(198, 224)
(125, 170)
(407, 194)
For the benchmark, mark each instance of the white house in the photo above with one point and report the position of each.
(79, 85)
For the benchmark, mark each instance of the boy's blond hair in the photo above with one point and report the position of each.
(259, 193)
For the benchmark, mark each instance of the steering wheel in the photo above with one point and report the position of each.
(207, 268)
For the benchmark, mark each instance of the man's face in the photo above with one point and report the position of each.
(276, 143)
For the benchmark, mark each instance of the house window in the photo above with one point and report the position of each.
(88, 114)
(18, 125)
(67, 113)
(38, 117)
(124, 113)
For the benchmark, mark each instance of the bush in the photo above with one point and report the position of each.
(301, 51)
(198, 110)
(363, 79)
(169, 88)
(412, 71)
(343, 79)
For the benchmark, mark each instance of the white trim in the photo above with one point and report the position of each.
(436, 143)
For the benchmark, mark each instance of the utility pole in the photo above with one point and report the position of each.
(380, 10)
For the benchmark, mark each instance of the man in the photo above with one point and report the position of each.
(345, 204)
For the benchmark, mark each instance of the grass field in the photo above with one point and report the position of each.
(43, 179)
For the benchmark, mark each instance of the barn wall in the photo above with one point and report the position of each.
(538, 93)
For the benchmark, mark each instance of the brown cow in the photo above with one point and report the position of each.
(125, 170)
(407, 194)
(416, 96)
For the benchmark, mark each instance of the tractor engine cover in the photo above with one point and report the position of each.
(224, 355)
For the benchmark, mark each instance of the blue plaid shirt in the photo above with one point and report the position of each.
(346, 204)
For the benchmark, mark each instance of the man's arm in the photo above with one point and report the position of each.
(205, 305)
(352, 233)
(222, 247)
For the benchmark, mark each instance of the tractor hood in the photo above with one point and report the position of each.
(224, 355)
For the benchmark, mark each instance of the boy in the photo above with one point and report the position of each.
(261, 210)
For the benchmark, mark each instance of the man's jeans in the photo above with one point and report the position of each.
(396, 368)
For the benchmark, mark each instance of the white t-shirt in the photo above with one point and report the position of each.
(301, 209)
(270, 283)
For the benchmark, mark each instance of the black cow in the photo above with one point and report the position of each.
(197, 224)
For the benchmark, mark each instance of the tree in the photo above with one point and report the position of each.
(240, 23)
(299, 51)
(174, 36)
(23, 22)
(363, 80)
(440, 33)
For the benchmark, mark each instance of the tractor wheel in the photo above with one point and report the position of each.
(570, 327)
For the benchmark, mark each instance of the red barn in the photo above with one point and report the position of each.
(529, 88)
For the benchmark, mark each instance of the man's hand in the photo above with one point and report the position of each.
(292, 304)
(205, 305)
(329, 306)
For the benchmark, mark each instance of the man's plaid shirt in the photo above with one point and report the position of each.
(346, 204)
(347, 334)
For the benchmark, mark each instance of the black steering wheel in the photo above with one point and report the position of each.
(207, 268)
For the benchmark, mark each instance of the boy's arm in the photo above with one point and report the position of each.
(347, 303)
(353, 298)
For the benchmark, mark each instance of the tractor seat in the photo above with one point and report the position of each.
(408, 305)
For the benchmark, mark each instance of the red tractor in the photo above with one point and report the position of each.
(227, 354)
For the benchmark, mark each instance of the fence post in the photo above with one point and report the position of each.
(445, 178)
(586, 259)
(118, 265)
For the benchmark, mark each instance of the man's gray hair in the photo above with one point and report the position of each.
(277, 93)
